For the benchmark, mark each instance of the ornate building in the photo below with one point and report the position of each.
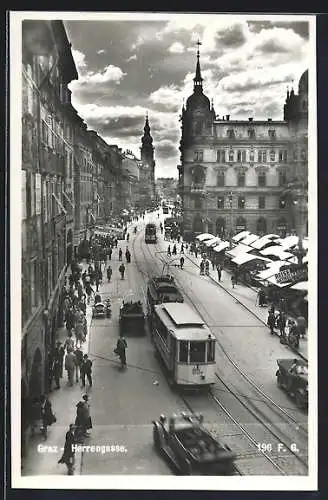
(233, 173)
(147, 168)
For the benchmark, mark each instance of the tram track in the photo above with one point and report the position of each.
(243, 400)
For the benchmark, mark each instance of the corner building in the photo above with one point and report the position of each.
(234, 174)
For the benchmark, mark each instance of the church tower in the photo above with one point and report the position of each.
(148, 162)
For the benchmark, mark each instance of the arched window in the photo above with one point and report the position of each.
(251, 155)
(231, 155)
(272, 155)
(261, 226)
(240, 224)
(238, 156)
(198, 225)
(220, 226)
(241, 202)
(220, 180)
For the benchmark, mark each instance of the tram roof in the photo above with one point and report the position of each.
(183, 321)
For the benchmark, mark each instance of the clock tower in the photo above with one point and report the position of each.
(148, 164)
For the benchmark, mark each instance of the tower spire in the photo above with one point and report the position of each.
(198, 80)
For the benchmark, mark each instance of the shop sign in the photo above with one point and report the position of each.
(292, 275)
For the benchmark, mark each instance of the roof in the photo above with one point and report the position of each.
(213, 241)
(205, 236)
(183, 321)
(273, 268)
(278, 251)
(262, 242)
(241, 248)
(249, 239)
(221, 246)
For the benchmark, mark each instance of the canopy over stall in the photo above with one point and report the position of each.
(241, 248)
(240, 236)
(205, 236)
(213, 242)
(249, 239)
(302, 285)
(273, 268)
(246, 257)
(277, 251)
(262, 242)
(221, 246)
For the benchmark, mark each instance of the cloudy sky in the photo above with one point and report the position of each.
(128, 67)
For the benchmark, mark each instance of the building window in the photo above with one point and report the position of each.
(262, 156)
(262, 202)
(239, 156)
(241, 202)
(198, 156)
(220, 202)
(220, 179)
(272, 155)
(231, 133)
(282, 178)
(241, 179)
(243, 156)
(283, 156)
(183, 356)
(231, 155)
(303, 155)
(295, 155)
(220, 156)
(251, 133)
(198, 204)
(282, 202)
(272, 134)
(34, 286)
(251, 156)
(262, 179)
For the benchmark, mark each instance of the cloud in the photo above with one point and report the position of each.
(176, 48)
(167, 98)
(101, 51)
(79, 59)
(232, 36)
(278, 40)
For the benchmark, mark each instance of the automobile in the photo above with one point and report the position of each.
(132, 318)
(292, 376)
(189, 448)
(99, 310)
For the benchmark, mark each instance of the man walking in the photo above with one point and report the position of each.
(109, 273)
(86, 370)
(122, 270)
(78, 363)
(181, 262)
(70, 366)
(219, 271)
(120, 348)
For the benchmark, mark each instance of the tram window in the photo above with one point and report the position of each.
(183, 351)
(211, 351)
(197, 352)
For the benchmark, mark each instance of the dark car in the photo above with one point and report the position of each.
(292, 376)
(132, 318)
(190, 448)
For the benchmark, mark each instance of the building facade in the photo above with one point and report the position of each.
(233, 173)
(47, 68)
(167, 188)
(147, 168)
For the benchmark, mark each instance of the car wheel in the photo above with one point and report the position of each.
(299, 400)
(279, 380)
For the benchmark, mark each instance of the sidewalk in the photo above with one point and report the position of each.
(43, 455)
(243, 294)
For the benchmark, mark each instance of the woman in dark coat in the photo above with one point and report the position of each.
(83, 419)
(68, 457)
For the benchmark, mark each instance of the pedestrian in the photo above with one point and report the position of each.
(69, 320)
(47, 415)
(202, 267)
(120, 350)
(120, 254)
(293, 336)
(110, 253)
(196, 252)
(281, 324)
(50, 369)
(261, 297)
(78, 363)
(301, 326)
(83, 420)
(70, 366)
(271, 321)
(169, 251)
(127, 236)
(233, 280)
(181, 262)
(174, 251)
(109, 273)
(127, 256)
(59, 354)
(89, 291)
(182, 248)
(97, 283)
(57, 372)
(207, 267)
(68, 456)
(213, 264)
(86, 370)
(219, 271)
(69, 342)
(122, 270)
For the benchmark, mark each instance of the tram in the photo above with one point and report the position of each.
(161, 289)
(185, 345)
(150, 233)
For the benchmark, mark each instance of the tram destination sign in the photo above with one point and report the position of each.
(292, 275)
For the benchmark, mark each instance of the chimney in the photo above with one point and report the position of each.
(227, 117)
(269, 119)
(250, 119)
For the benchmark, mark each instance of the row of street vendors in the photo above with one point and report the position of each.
(277, 265)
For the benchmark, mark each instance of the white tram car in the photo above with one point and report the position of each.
(185, 344)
